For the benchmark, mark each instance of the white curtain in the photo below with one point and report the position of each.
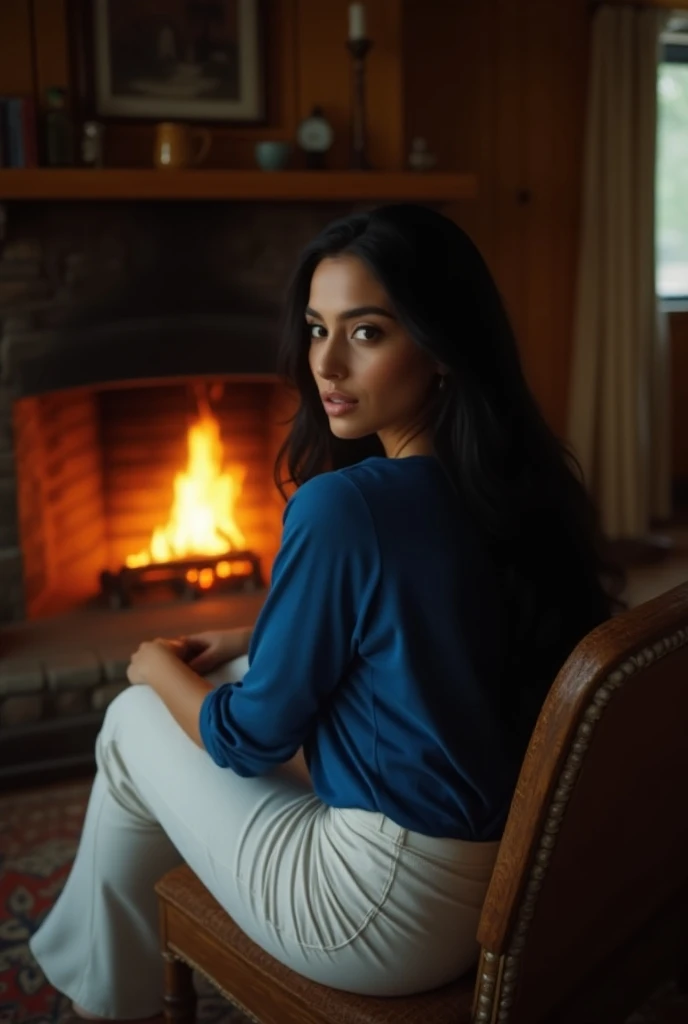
(619, 415)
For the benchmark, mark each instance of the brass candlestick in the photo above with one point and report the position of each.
(358, 48)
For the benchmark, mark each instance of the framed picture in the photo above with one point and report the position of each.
(166, 60)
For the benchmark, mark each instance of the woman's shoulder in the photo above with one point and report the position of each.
(330, 498)
(329, 516)
(358, 495)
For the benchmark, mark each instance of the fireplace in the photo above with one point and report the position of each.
(96, 470)
(111, 317)
(120, 323)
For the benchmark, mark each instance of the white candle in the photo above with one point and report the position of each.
(357, 21)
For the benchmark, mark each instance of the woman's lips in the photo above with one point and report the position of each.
(337, 404)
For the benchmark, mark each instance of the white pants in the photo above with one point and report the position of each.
(345, 897)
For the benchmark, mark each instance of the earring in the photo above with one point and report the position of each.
(443, 381)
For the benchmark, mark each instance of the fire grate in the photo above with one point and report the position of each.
(186, 579)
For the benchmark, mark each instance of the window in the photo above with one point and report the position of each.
(672, 163)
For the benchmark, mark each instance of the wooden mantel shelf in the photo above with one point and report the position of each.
(314, 186)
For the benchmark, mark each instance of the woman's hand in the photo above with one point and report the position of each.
(204, 652)
(151, 659)
(157, 663)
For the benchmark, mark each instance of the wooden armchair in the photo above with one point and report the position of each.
(587, 910)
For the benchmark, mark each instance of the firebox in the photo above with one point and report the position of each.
(148, 492)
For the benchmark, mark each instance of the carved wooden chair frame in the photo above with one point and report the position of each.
(498, 974)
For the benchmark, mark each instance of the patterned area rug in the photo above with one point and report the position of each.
(39, 834)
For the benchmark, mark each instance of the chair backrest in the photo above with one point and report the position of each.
(596, 843)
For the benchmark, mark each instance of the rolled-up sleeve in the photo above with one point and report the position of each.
(323, 584)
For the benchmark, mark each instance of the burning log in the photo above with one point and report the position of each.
(187, 579)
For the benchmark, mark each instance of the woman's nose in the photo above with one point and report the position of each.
(331, 364)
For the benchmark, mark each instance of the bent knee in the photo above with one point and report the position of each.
(135, 704)
(133, 718)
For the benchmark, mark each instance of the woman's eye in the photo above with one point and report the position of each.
(366, 332)
(314, 328)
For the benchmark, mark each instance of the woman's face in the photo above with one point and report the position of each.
(371, 375)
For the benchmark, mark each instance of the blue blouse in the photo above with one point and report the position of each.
(379, 649)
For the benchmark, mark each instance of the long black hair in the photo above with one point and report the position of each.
(520, 484)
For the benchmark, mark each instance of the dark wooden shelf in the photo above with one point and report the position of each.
(278, 186)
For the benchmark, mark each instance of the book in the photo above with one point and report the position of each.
(15, 132)
(18, 138)
(30, 135)
(4, 145)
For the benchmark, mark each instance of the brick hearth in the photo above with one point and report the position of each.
(67, 668)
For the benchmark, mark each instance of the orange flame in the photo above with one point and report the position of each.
(201, 520)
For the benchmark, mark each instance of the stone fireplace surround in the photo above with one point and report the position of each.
(94, 297)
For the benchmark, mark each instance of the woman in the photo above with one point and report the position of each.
(438, 564)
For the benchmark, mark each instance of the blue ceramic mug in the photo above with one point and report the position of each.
(272, 156)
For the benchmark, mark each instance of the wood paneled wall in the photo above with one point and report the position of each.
(496, 86)
(499, 86)
(16, 57)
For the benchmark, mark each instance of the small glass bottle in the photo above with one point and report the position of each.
(59, 131)
(92, 144)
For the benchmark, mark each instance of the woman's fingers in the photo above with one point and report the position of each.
(206, 661)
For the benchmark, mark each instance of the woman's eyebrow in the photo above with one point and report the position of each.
(349, 314)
